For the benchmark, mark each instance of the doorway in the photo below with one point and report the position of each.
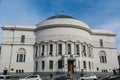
(71, 66)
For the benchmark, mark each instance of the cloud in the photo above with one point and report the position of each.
(17, 12)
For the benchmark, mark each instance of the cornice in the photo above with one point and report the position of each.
(104, 34)
(104, 47)
(18, 28)
(63, 25)
(18, 44)
(73, 26)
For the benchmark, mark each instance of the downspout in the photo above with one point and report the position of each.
(11, 53)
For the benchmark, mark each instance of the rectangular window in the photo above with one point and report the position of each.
(43, 65)
(24, 57)
(0, 50)
(101, 43)
(36, 65)
(84, 50)
(51, 49)
(20, 57)
(51, 64)
(22, 38)
(69, 48)
(84, 64)
(36, 51)
(43, 50)
(79, 64)
(16, 71)
(89, 65)
(17, 58)
(89, 51)
(60, 49)
(77, 49)
(60, 64)
(22, 71)
(103, 59)
(19, 71)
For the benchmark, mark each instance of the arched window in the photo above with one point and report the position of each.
(102, 57)
(21, 54)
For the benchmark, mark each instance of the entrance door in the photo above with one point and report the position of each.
(71, 66)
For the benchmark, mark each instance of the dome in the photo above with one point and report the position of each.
(59, 16)
(62, 20)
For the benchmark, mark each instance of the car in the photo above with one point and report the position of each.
(112, 77)
(32, 77)
(63, 78)
(5, 77)
(89, 76)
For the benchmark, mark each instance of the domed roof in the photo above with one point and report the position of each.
(59, 16)
(62, 20)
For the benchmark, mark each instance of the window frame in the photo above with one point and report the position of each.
(22, 38)
(51, 64)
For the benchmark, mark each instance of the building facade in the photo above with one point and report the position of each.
(58, 44)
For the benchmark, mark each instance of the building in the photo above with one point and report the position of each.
(60, 43)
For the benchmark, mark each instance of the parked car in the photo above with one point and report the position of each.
(63, 78)
(5, 77)
(89, 76)
(112, 77)
(32, 77)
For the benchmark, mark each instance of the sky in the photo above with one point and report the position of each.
(98, 14)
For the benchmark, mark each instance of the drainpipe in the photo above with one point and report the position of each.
(11, 53)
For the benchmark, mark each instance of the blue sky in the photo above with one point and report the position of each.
(98, 14)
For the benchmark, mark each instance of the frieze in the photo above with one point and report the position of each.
(63, 38)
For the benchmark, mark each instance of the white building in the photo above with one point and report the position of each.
(58, 44)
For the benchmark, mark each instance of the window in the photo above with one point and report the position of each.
(69, 48)
(89, 51)
(101, 43)
(19, 71)
(22, 38)
(21, 55)
(51, 64)
(79, 64)
(43, 50)
(102, 57)
(89, 65)
(51, 49)
(36, 65)
(60, 49)
(60, 64)
(16, 71)
(104, 70)
(43, 65)
(84, 50)
(77, 49)
(0, 50)
(97, 69)
(84, 64)
(22, 71)
(36, 51)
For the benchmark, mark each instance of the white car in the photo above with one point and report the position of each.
(88, 77)
(5, 77)
(32, 77)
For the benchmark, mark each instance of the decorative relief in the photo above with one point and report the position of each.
(63, 37)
